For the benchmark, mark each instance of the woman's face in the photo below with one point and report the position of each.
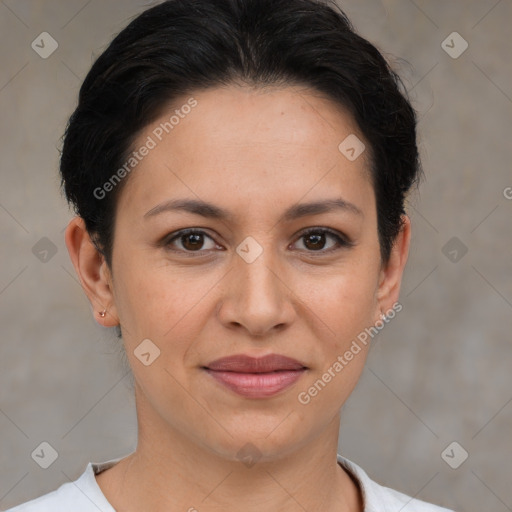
(251, 282)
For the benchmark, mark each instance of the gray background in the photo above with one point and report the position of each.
(438, 373)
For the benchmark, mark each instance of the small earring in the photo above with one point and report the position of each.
(103, 313)
(383, 316)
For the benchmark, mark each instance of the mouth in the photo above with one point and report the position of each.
(256, 377)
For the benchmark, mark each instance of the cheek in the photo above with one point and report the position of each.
(160, 302)
(345, 305)
(344, 302)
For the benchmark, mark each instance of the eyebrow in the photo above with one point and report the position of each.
(208, 210)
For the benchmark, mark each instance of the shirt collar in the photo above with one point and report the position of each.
(376, 498)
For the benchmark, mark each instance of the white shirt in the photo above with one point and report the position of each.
(85, 495)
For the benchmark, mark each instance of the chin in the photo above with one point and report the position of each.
(266, 438)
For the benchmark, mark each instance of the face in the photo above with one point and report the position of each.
(268, 276)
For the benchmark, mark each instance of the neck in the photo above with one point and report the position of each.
(170, 471)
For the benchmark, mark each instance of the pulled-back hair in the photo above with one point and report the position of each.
(181, 46)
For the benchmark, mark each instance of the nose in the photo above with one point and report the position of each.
(256, 296)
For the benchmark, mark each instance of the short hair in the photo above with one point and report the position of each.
(181, 46)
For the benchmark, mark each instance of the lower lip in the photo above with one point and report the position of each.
(257, 385)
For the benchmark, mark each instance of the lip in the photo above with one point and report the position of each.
(243, 363)
(252, 377)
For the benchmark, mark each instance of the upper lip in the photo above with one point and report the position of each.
(246, 364)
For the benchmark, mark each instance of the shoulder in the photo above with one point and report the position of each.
(56, 501)
(378, 498)
(81, 495)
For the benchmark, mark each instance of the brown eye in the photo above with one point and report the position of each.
(315, 240)
(191, 240)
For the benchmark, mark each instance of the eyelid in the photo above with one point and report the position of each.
(168, 239)
(342, 240)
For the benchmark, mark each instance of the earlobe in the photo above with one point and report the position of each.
(92, 271)
(391, 275)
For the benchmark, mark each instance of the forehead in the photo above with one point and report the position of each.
(248, 143)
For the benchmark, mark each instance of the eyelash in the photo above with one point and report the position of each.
(341, 241)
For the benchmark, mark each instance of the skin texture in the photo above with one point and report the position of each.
(254, 152)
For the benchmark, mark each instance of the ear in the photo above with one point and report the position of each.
(391, 275)
(93, 272)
